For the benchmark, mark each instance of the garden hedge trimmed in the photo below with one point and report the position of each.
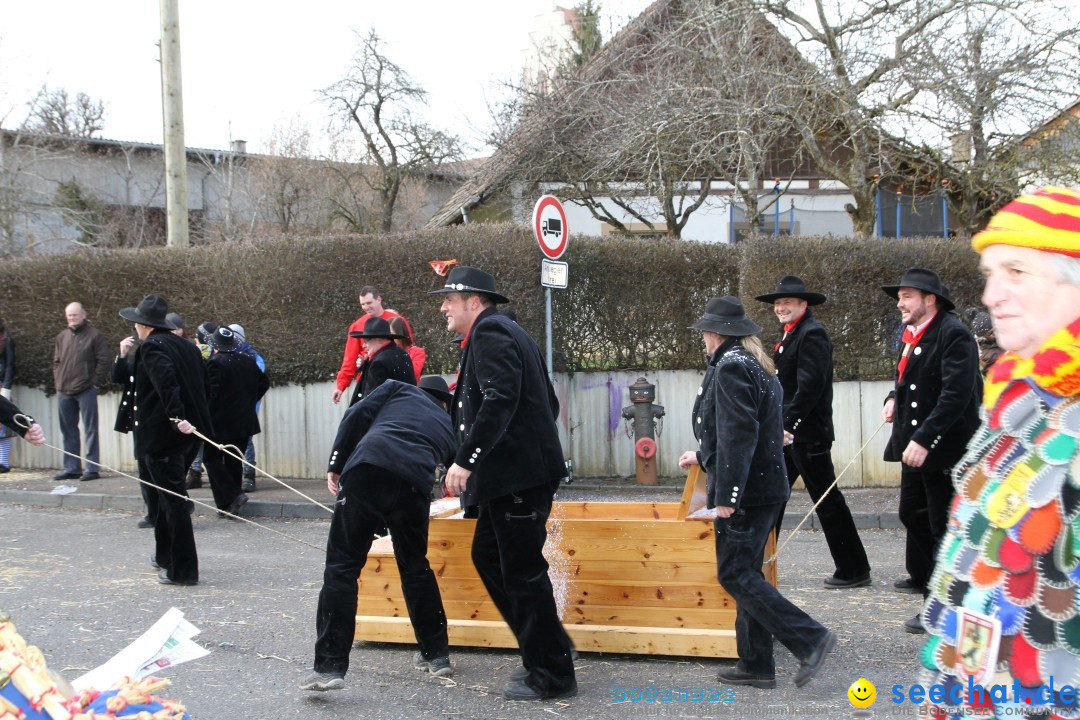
(627, 307)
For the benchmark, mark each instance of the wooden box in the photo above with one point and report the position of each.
(628, 578)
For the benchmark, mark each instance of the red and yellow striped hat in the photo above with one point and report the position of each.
(1047, 220)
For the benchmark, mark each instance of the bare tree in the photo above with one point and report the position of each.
(1000, 70)
(379, 100)
(54, 112)
(682, 100)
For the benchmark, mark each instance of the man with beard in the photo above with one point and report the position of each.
(934, 411)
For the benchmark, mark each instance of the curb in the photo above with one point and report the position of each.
(305, 511)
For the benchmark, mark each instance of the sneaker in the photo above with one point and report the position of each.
(321, 682)
(248, 485)
(908, 586)
(520, 690)
(90, 475)
(193, 480)
(439, 667)
(66, 476)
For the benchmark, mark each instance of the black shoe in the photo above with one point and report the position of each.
(834, 583)
(809, 667)
(248, 485)
(914, 626)
(163, 578)
(4, 469)
(238, 502)
(736, 676)
(90, 475)
(908, 586)
(145, 522)
(66, 476)
(153, 562)
(519, 690)
(193, 480)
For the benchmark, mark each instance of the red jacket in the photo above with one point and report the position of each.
(354, 348)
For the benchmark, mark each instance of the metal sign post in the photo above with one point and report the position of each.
(549, 226)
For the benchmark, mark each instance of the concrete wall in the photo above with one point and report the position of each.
(299, 423)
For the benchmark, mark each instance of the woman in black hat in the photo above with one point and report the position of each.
(738, 419)
(384, 360)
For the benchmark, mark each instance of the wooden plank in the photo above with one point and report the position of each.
(614, 510)
(642, 593)
(573, 615)
(694, 496)
(600, 638)
(698, 529)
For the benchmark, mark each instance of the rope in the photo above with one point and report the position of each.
(22, 421)
(824, 494)
(238, 454)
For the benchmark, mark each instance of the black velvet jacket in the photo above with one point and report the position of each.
(738, 422)
(804, 365)
(170, 382)
(937, 402)
(504, 413)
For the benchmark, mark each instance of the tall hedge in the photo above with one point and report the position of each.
(627, 306)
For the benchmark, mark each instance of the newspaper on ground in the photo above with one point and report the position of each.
(168, 642)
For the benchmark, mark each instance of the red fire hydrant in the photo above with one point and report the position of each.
(644, 412)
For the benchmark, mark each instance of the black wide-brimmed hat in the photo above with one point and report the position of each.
(377, 328)
(151, 311)
(726, 316)
(435, 385)
(469, 279)
(925, 280)
(792, 286)
(224, 340)
(176, 320)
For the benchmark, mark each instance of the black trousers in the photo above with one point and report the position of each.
(225, 472)
(149, 493)
(174, 538)
(508, 552)
(762, 613)
(370, 497)
(925, 496)
(813, 463)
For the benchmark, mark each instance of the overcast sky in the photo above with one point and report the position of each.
(246, 69)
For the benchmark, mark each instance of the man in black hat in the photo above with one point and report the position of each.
(383, 358)
(738, 421)
(169, 402)
(804, 365)
(509, 464)
(234, 385)
(934, 411)
(382, 471)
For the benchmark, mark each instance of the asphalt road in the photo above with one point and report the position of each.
(79, 585)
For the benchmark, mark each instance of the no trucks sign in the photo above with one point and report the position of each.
(549, 225)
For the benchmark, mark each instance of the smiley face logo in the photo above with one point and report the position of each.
(862, 693)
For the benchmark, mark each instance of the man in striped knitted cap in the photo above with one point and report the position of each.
(1002, 612)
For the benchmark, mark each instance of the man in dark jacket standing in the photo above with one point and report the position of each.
(509, 463)
(80, 366)
(804, 365)
(234, 385)
(169, 402)
(934, 411)
(382, 359)
(382, 469)
(738, 421)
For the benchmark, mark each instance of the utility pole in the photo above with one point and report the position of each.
(172, 107)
